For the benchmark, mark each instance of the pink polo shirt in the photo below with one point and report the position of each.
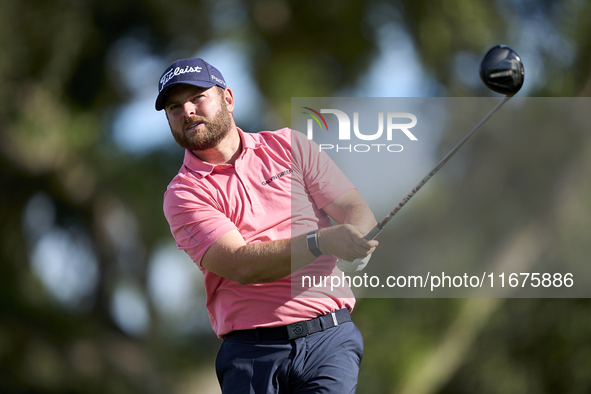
(275, 190)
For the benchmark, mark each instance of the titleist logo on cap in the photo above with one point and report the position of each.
(178, 71)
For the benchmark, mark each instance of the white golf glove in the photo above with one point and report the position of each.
(353, 266)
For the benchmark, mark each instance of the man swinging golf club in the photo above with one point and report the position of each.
(250, 209)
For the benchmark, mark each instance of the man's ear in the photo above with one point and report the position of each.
(229, 99)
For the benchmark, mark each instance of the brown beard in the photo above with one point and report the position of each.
(215, 131)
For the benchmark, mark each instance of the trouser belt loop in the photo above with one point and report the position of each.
(334, 318)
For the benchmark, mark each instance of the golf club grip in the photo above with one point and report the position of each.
(374, 232)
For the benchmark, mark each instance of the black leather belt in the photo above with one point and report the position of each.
(294, 330)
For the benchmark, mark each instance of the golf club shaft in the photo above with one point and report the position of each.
(380, 226)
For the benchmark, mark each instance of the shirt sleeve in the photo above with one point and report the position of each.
(323, 179)
(195, 219)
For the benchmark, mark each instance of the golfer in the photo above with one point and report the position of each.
(253, 212)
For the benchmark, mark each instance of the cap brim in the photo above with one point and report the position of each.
(161, 99)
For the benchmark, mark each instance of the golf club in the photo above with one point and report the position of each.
(502, 71)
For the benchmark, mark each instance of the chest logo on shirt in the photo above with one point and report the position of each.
(275, 177)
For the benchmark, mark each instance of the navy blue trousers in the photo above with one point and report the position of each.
(321, 363)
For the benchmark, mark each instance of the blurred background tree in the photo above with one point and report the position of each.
(95, 298)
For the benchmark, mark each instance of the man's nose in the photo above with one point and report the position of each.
(189, 109)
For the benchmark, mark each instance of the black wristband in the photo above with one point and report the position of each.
(312, 242)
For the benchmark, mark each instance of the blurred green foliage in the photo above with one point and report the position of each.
(59, 91)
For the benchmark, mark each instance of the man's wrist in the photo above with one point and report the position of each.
(321, 241)
(312, 242)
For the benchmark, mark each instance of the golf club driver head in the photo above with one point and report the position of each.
(501, 70)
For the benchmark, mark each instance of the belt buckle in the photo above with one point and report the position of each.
(297, 330)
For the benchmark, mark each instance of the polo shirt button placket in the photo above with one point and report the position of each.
(252, 197)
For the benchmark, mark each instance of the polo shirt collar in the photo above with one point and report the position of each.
(204, 168)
